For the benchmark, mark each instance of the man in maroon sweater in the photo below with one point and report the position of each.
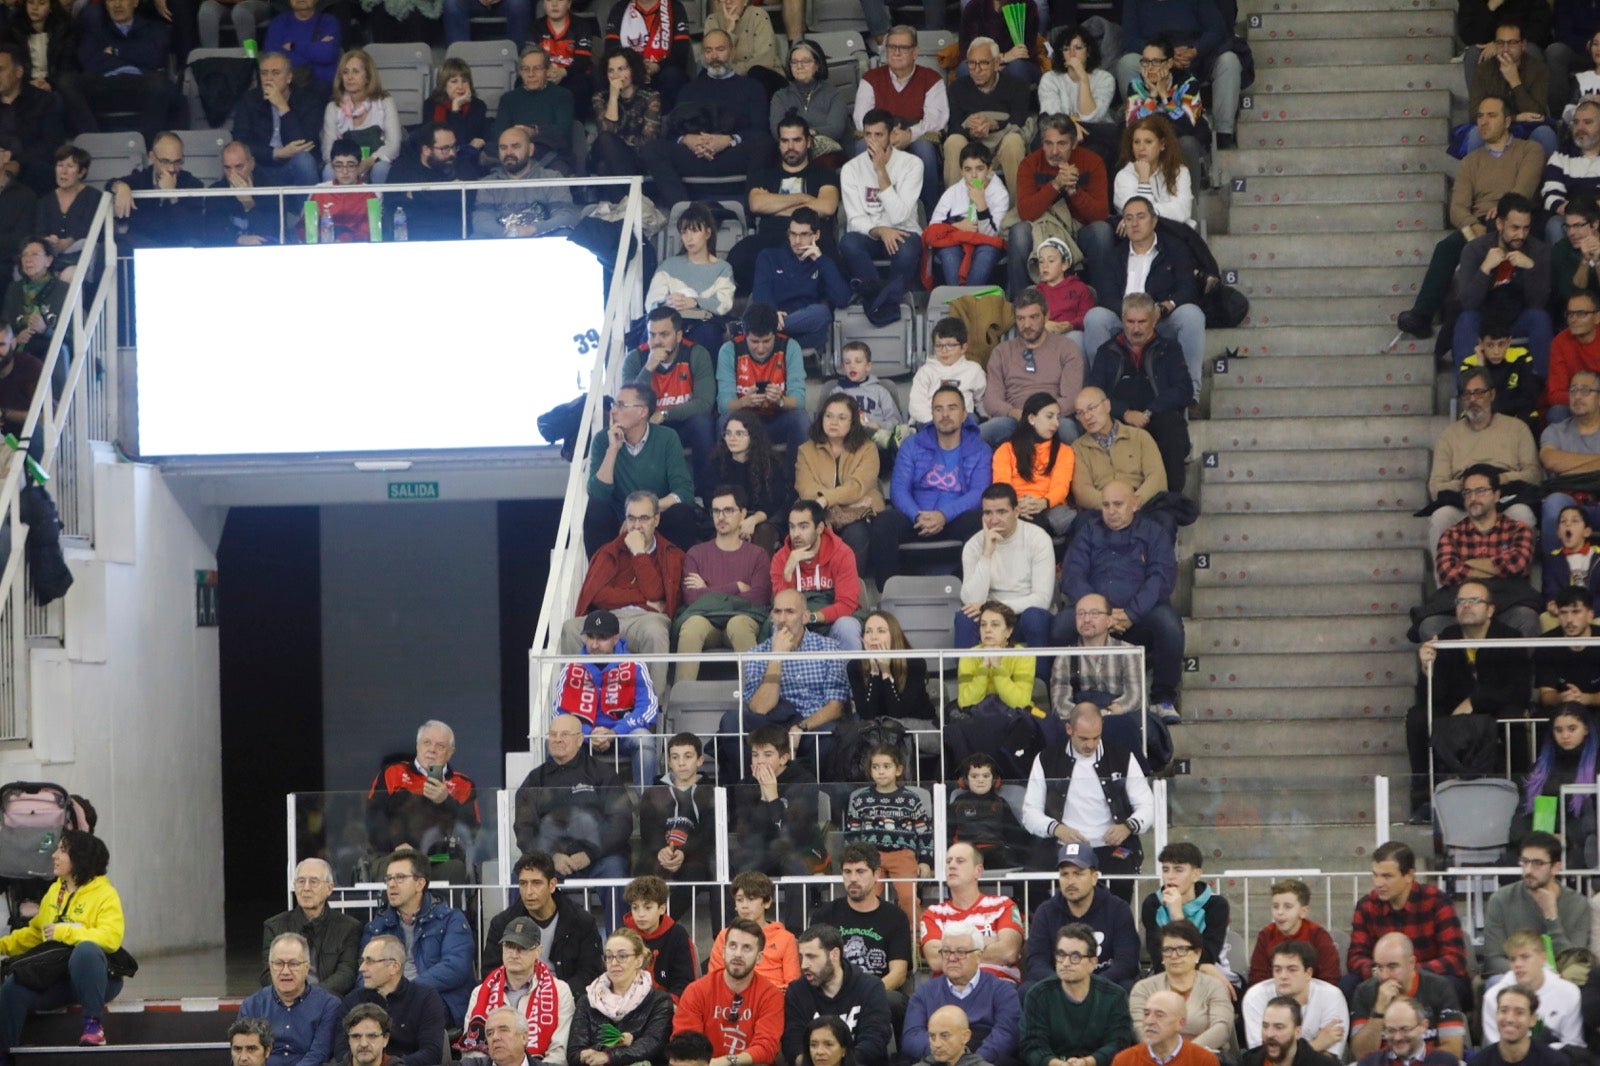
(639, 578)
(727, 585)
(1063, 180)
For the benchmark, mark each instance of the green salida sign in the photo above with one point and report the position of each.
(413, 490)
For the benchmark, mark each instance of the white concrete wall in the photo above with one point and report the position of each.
(128, 714)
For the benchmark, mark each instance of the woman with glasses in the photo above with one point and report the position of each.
(1157, 91)
(35, 300)
(621, 1017)
(809, 95)
(1209, 1017)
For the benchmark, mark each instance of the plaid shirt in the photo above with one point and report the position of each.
(1427, 918)
(1508, 545)
(806, 683)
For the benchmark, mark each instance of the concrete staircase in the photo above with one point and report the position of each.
(1306, 557)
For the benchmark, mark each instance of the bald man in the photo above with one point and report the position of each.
(736, 138)
(1162, 1044)
(948, 1036)
(334, 936)
(1128, 559)
(530, 212)
(161, 222)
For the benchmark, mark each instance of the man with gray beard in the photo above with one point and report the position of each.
(1573, 170)
(1479, 436)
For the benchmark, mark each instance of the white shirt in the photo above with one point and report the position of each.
(1560, 1008)
(867, 206)
(935, 104)
(1139, 268)
(1324, 1003)
(1085, 809)
(1020, 574)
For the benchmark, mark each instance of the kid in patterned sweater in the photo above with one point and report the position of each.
(896, 821)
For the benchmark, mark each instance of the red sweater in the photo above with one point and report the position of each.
(1567, 357)
(834, 569)
(707, 1007)
(1035, 194)
(619, 578)
(906, 104)
(1310, 932)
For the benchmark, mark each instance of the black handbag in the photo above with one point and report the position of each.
(40, 968)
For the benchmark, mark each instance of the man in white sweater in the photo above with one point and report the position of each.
(1011, 561)
(880, 188)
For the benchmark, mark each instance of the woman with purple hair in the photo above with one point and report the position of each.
(1567, 758)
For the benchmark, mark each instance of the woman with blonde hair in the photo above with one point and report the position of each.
(365, 113)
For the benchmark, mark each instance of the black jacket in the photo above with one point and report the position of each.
(252, 123)
(1499, 682)
(1171, 276)
(1107, 915)
(417, 1021)
(563, 808)
(650, 1024)
(1159, 383)
(335, 940)
(861, 1001)
(18, 209)
(163, 223)
(34, 118)
(1304, 1055)
(430, 216)
(573, 953)
(227, 219)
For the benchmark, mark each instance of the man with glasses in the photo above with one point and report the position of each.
(993, 1009)
(525, 983)
(430, 216)
(1489, 548)
(417, 1018)
(366, 1032)
(1035, 360)
(727, 584)
(1080, 1018)
(1506, 274)
(1571, 447)
(1479, 437)
(1575, 257)
(1109, 683)
(1111, 451)
(280, 126)
(334, 938)
(440, 942)
(163, 222)
(422, 801)
(1573, 171)
(1408, 1032)
(304, 1018)
(976, 100)
(1510, 70)
(1537, 901)
(544, 109)
(1574, 349)
(915, 104)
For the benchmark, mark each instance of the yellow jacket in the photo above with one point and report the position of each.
(93, 915)
(1012, 680)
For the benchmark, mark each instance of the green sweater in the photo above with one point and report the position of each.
(549, 110)
(659, 468)
(1054, 1027)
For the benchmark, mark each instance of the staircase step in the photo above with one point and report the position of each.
(1240, 570)
(1396, 78)
(1307, 311)
(1252, 220)
(1357, 133)
(1258, 341)
(1297, 636)
(1301, 497)
(1402, 253)
(1315, 737)
(1273, 108)
(1231, 434)
(1341, 189)
(1337, 27)
(1246, 162)
(1302, 601)
(1271, 55)
(1330, 847)
(1229, 402)
(1253, 704)
(1342, 669)
(1346, 7)
(1304, 371)
(1317, 531)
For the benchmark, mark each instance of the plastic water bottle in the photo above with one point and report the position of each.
(400, 231)
(325, 225)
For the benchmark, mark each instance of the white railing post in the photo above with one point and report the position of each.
(1380, 810)
(289, 850)
(1159, 792)
(506, 849)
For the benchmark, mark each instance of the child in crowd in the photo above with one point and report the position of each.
(963, 236)
(753, 894)
(672, 963)
(949, 366)
(1291, 907)
(880, 413)
(677, 823)
(1574, 563)
(980, 816)
(896, 821)
(1067, 299)
(1517, 387)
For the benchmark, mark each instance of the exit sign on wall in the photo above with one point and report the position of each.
(413, 490)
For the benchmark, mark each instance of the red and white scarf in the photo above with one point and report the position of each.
(648, 33)
(542, 1008)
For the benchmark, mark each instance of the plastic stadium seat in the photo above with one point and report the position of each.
(112, 155)
(926, 608)
(1475, 818)
(730, 231)
(191, 88)
(895, 350)
(846, 49)
(202, 153)
(494, 66)
(931, 42)
(406, 73)
(698, 706)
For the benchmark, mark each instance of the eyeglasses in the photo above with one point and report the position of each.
(178, 162)
(373, 960)
(723, 512)
(638, 517)
(1474, 394)
(1154, 62)
(957, 953)
(347, 164)
(1570, 226)
(1533, 864)
(1029, 365)
(1478, 492)
(288, 964)
(629, 406)
(1401, 1030)
(901, 47)
(1470, 600)
(946, 345)
(620, 956)
(399, 879)
(1090, 612)
(1174, 951)
(1071, 957)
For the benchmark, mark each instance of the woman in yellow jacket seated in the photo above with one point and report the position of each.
(80, 908)
(1009, 677)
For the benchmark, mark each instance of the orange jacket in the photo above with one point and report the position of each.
(1053, 486)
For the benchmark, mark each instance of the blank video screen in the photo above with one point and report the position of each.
(358, 348)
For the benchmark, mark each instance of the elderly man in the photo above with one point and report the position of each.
(1062, 191)
(995, 921)
(1282, 1042)
(527, 212)
(543, 108)
(425, 803)
(417, 1018)
(1011, 561)
(162, 222)
(990, 107)
(1164, 1014)
(1409, 1030)
(992, 1008)
(916, 104)
(280, 126)
(304, 1018)
(574, 808)
(1080, 897)
(1111, 451)
(1035, 360)
(1129, 559)
(506, 1036)
(244, 219)
(523, 980)
(1479, 436)
(1489, 548)
(949, 1040)
(1144, 376)
(333, 937)
(1322, 1007)
(441, 952)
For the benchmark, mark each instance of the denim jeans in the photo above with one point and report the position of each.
(1033, 629)
(857, 250)
(980, 272)
(809, 325)
(296, 170)
(86, 984)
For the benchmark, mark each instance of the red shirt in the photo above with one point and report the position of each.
(988, 915)
(1035, 194)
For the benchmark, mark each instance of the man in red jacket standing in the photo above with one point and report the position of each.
(1067, 182)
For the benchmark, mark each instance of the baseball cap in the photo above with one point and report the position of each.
(523, 932)
(600, 624)
(1080, 855)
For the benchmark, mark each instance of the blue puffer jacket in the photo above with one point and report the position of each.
(1133, 568)
(958, 491)
(442, 949)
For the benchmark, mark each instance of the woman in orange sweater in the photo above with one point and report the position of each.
(1038, 465)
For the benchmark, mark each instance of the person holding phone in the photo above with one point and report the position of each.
(426, 804)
